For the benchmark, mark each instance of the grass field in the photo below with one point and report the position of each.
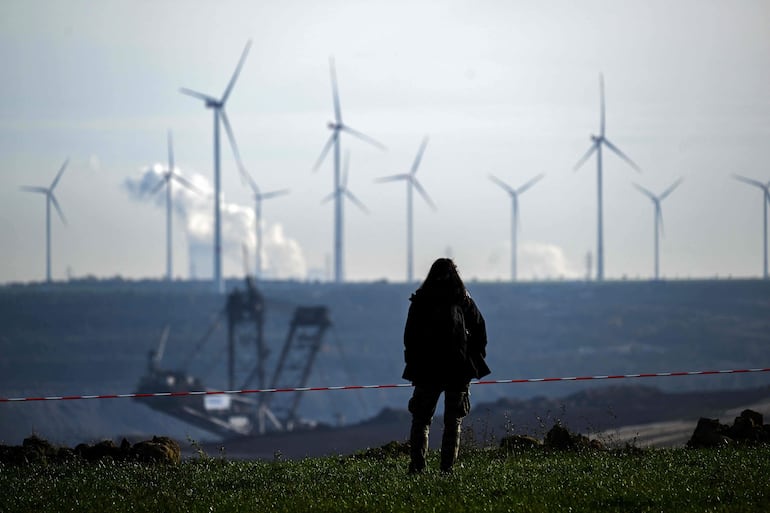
(731, 479)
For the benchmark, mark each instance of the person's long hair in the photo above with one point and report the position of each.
(443, 281)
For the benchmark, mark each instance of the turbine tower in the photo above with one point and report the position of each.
(343, 192)
(596, 146)
(336, 127)
(218, 106)
(49, 199)
(658, 217)
(765, 200)
(259, 197)
(514, 194)
(411, 183)
(169, 175)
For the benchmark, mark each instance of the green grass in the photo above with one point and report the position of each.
(735, 479)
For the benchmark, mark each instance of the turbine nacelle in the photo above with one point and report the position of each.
(331, 125)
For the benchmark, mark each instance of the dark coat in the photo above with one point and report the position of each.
(425, 344)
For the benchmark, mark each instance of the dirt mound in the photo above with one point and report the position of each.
(747, 428)
(558, 438)
(37, 450)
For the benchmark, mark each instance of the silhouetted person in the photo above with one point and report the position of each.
(445, 343)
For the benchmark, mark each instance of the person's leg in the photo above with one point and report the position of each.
(456, 406)
(422, 406)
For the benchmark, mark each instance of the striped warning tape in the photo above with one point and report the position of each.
(364, 387)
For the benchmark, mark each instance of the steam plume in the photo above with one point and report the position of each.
(282, 256)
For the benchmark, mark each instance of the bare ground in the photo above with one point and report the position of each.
(673, 419)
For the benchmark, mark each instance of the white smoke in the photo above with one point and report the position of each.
(543, 260)
(282, 257)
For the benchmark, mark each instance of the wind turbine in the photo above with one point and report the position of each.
(218, 106)
(49, 199)
(411, 183)
(258, 198)
(766, 199)
(514, 194)
(336, 127)
(658, 216)
(169, 175)
(596, 146)
(342, 192)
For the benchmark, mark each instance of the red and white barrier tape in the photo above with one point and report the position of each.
(362, 387)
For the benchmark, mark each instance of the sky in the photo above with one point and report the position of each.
(508, 88)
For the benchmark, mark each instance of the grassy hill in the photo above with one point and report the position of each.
(725, 480)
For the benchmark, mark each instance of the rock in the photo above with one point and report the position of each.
(514, 443)
(392, 449)
(36, 450)
(709, 433)
(754, 416)
(560, 438)
(747, 427)
(103, 449)
(160, 449)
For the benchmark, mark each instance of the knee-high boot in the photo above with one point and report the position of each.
(418, 442)
(450, 444)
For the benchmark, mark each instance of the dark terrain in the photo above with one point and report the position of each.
(93, 337)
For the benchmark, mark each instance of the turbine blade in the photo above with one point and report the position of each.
(621, 154)
(507, 188)
(58, 175)
(231, 137)
(248, 180)
(326, 149)
(30, 188)
(164, 180)
(418, 158)
(671, 188)
(392, 178)
(585, 157)
(646, 192)
(364, 137)
(530, 183)
(275, 194)
(170, 152)
(186, 183)
(755, 183)
(423, 193)
(602, 122)
(356, 201)
(195, 94)
(335, 92)
(58, 208)
(237, 72)
(328, 198)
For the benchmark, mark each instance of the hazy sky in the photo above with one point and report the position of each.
(502, 87)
